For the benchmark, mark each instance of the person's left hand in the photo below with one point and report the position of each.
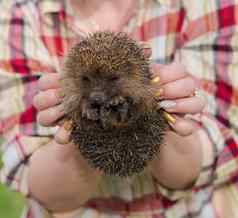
(176, 89)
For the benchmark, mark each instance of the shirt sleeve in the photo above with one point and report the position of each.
(17, 143)
(209, 53)
(20, 135)
(20, 68)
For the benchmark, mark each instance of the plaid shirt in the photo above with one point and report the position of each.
(35, 36)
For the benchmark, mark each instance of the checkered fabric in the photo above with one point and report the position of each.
(35, 36)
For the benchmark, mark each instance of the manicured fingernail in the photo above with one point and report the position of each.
(60, 79)
(61, 94)
(167, 104)
(169, 118)
(67, 125)
(155, 80)
(62, 137)
(145, 45)
(159, 93)
(61, 109)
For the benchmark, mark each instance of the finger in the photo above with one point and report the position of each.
(183, 126)
(167, 73)
(49, 116)
(191, 105)
(62, 136)
(49, 81)
(48, 98)
(177, 89)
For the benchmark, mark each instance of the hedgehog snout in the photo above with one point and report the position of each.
(97, 99)
(92, 105)
(109, 111)
(115, 112)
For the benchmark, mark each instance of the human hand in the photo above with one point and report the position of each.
(48, 103)
(176, 89)
(179, 161)
(48, 100)
(60, 178)
(69, 181)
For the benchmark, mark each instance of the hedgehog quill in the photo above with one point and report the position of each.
(116, 122)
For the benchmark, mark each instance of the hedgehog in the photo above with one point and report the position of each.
(116, 122)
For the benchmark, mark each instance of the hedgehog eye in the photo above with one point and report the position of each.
(114, 78)
(85, 79)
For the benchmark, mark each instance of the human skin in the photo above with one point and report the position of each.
(59, 178)
(60, 164)
(69, 170)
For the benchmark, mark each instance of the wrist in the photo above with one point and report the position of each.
(59, 178)
(179, 162)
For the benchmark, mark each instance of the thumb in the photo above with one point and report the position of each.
(181, 125)
(62, 135)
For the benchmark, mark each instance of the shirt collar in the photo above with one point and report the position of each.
(55, 6)
(50, 6)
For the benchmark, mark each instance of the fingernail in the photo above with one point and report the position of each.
(61, 94)
(169, 117)
(159, 93)
(67, 125)
(62, 137)
(167, 104)
(145, 45)
(60, 80)
(155, 80)
(61, 109)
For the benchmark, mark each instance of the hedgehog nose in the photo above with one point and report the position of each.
(97, 99)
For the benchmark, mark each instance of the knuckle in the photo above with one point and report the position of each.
(57, 95)
(191, 81)
(41, 82)
(167, 90)
(200, 99)
(202, 103)
(45, 99)
(40, 118)
(48, 116)
(51, 95)
(44, 117)
(185, 127)
(179, 68)
(37, 101)
(170, 91)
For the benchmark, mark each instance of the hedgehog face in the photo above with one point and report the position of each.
(109, 79)
(108, 98)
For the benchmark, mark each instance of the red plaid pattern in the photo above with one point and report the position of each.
(35, 36)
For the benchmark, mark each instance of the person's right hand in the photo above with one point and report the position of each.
(48, 104)
(59, 177)
(48, 100)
